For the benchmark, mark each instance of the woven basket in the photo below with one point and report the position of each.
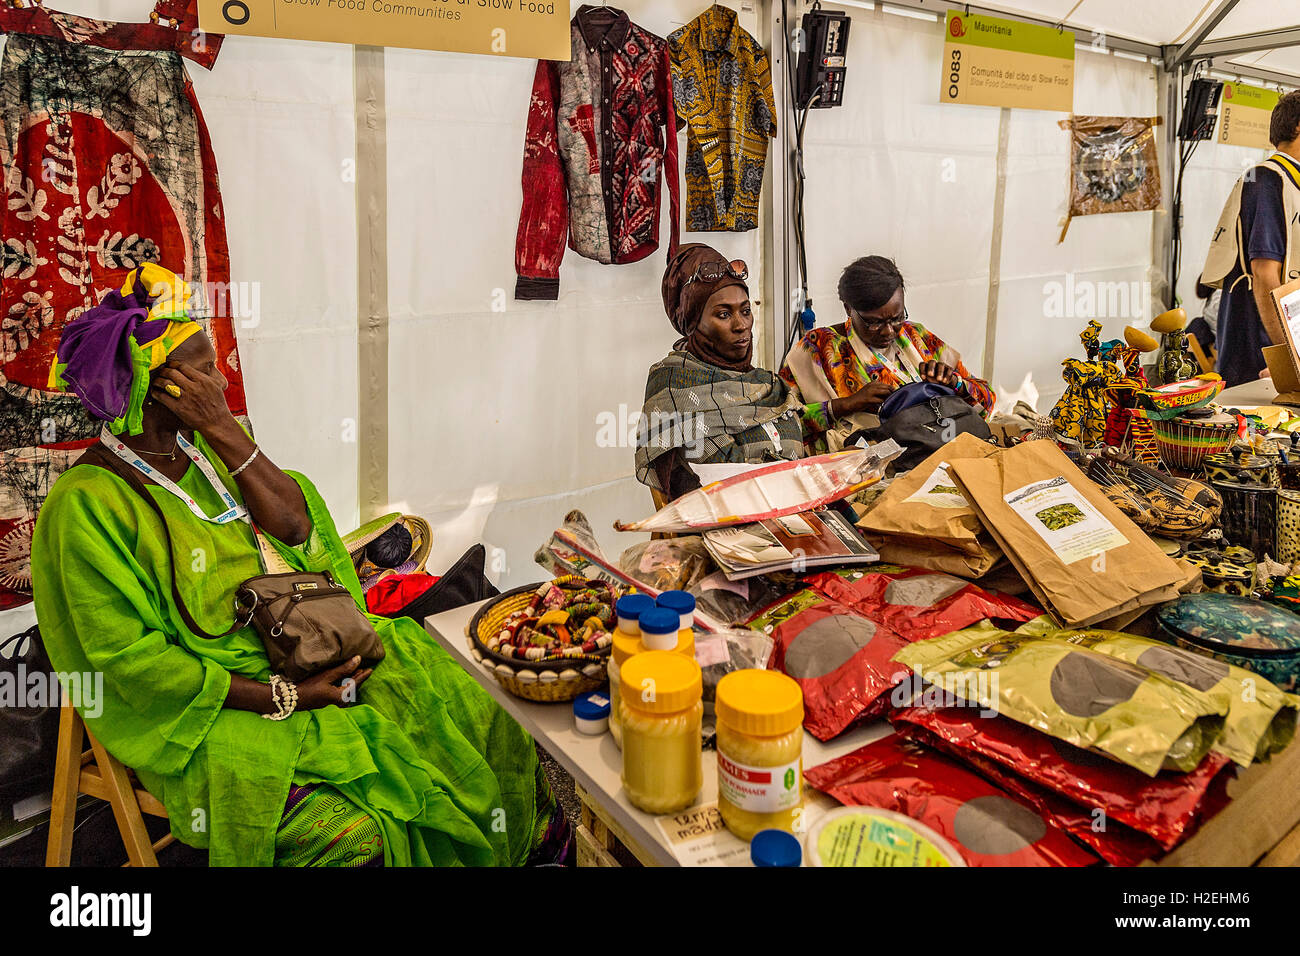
(1187, 442)
(557, 680)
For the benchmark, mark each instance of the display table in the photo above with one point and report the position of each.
(596, 763)
(1261, 825)
(1248, 395)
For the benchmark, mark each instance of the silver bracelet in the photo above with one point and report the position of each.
(284, 705)
(256, 451)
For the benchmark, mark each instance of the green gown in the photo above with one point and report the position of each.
(447, 774)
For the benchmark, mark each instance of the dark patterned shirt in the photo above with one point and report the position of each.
(595, 153)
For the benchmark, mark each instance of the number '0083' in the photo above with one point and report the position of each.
(954, 74)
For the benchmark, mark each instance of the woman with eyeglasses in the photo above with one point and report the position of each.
(843, 372)
(706, 403)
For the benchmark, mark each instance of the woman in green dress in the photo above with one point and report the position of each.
(408, 763)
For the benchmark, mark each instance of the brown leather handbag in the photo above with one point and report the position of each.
(308, 622)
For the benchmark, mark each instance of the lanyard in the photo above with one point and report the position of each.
(234, 509)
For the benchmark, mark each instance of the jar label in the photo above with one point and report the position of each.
(758, 789)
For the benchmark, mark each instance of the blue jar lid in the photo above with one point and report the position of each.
(775, 848)
(632, 606)
(682, 602)
(592, 706)
(660, 620)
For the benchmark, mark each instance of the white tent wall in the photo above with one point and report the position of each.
(895, 172)
(500, 412)
(1105, 258)
(280, 115)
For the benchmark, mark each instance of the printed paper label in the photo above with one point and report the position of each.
(940, 491)
(1066, 520)
(758, 789)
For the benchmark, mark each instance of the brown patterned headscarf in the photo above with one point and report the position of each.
(684, 300)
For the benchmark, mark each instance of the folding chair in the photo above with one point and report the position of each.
(98, 773)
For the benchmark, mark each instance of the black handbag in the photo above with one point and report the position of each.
(464, 583)
(926, 426)
(28, 735)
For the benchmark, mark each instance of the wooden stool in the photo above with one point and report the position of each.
(97, 773)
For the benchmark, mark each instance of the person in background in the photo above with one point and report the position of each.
(1206, 325)
(1255, 249)
(845, 371)
(706, 403)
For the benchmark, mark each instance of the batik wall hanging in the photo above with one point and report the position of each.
(107, 164)
(1113, 165)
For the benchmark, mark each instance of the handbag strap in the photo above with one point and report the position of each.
(97, 455)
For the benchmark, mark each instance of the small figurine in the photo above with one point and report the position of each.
(1176, 361)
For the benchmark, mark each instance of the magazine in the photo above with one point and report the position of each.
(798, 542)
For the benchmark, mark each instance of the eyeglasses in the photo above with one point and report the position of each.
(896, 322)
(714, 271)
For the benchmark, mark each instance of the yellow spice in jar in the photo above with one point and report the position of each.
(760, 751)
(624, 647)
(661, 716)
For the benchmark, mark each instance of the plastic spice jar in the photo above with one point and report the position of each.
(760, 745)
(682, 602)
(659, 627)
(629, 609)
(685, 645)
(591, 713)
(661, 713)
(621, 651)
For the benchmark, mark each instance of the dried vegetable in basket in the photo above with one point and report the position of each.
(567, 617)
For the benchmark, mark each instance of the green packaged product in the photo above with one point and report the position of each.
(1086, 698)
(1261, 717)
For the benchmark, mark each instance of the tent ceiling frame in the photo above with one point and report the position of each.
(1224, 65)
(1184, 53)
(1105, 41)
(1251, 43)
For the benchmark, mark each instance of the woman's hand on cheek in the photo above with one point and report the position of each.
(201, 402)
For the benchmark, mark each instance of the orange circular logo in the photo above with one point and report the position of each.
(956, 27)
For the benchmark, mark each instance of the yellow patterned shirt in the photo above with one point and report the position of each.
(722, 85)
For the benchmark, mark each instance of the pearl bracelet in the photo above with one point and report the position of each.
(284, 695)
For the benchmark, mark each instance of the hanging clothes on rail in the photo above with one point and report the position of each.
(596, 155)
(722, 86)
(107, 165)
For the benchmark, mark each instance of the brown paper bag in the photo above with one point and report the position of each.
(918, 554)
(1083, 558)
(917, 507)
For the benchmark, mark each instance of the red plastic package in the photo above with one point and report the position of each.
(987, 825)
(1167, 807)
(1115, 843)
(917, 604)
(840, 658)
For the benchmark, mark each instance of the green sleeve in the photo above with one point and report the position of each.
(98, 615)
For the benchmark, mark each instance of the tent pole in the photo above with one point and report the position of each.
(995, 247)
(372, 280)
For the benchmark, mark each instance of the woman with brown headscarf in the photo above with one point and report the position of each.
(706, 403)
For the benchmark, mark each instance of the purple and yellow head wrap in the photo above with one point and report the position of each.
(106, 354)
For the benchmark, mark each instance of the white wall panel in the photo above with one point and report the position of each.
(494, 404)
